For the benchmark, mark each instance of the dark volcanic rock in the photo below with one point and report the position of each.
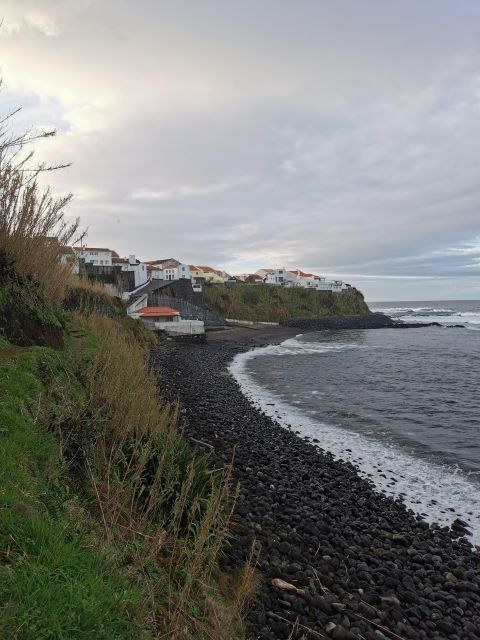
(371, 321)
(369, 568)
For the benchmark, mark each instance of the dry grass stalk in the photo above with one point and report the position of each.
(33, 227)
(144, 478)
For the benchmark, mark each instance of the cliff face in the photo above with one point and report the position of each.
(268, 303)
(26, 317)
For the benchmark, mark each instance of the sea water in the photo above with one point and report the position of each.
(401, 405)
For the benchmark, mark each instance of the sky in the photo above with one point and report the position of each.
(341, 137)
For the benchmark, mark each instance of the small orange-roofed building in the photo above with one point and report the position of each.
(158, 314)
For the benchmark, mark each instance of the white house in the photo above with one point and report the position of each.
(337, 286)
(131, 264)
(95, 255)
(67, 256)
(170, 269)
(263, 272)
(168, 320)
(155, 272)
(302, 279)
(280, 277)
(298, 278)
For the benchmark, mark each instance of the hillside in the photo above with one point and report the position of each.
(110, 523)
(268, 303)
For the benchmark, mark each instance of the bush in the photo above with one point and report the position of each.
(270, 303)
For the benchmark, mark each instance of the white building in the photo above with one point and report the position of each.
(169, 269)
(131, 264)
(302, 279)
(168, 320)
(337, 286)
(263, 272)
(280, 277)
(67, 256)
(155, 272)
(95, 255)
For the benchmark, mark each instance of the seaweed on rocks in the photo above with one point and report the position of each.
(361, 563)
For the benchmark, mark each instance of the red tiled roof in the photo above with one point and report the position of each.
(207, 269)
(157, 312)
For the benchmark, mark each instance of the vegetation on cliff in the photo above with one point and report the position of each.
(268, 303)
(110, 525)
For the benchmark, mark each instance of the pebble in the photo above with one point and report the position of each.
(368, 567)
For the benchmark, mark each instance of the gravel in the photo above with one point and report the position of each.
(364, 566)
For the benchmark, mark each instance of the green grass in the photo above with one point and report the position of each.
(269, 303)
(69, 567)
(53, 584)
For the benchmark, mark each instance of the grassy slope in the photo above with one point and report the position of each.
(53, 583)
(109, 525)
(269, 303)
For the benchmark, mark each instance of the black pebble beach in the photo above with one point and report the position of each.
(364, 565)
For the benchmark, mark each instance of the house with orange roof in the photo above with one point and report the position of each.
(263, 272)
(169, 320)
(158, 314)
(207, 274)
(302, 279)
(254, 278)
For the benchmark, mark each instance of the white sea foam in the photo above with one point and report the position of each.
(293, 347)
(447, 316)
(429, 489)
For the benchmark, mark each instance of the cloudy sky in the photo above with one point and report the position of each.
(342, 137)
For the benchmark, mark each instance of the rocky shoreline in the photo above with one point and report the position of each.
(375, 320)
(337, 558)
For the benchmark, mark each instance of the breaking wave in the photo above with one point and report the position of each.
(427, 488)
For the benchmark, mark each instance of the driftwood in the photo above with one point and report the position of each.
(286, 586)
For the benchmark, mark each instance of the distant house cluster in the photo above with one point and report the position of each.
(104, 264)
(282, 277)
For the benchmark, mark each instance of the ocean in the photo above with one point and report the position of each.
(402, 405)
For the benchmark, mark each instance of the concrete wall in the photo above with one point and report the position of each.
(117, 280)
(182, 327)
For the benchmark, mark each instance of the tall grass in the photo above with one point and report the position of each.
(33, 226)
(143, 480)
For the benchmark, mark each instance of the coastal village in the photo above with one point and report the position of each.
(161, 292)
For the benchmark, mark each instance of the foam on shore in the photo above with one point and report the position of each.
(440, 493)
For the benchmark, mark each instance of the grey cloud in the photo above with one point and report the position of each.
(337, 136)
